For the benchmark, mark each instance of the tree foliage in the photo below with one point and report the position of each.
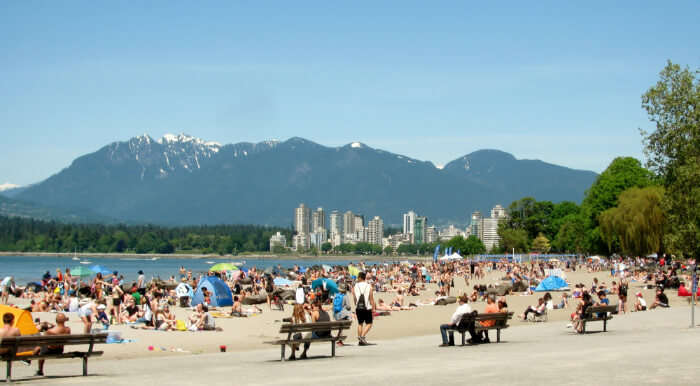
(637, 221)
(673, 151)
(27, 235)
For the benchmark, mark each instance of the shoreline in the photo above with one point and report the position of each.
(218, 257)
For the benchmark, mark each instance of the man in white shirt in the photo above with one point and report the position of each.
(462, 309)
(364, 304)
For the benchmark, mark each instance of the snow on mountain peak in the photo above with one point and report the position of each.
(7, 186)
(356, 145)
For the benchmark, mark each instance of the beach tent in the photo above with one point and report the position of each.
(184, 289)
(220, 294)
(23, 320)
(552, 283)
(327, 284)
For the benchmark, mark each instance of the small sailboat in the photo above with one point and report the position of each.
(210, 262)
(75, 255)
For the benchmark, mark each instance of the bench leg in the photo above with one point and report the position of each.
(282, 358)
(463, 341)
(583, 328)
(498, 335)
(9, 372)
(333, 348)
(85, 359)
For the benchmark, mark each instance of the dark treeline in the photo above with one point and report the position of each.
(28, 235)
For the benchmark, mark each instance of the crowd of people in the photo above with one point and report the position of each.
(105, 300)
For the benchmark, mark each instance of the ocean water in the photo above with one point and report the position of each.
(27, 269)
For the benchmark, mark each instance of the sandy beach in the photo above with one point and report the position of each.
(653, 347)
(245, 334)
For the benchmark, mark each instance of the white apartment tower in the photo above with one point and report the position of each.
(336, 222)
(409, 220)
(318, 220)
(348, 223)
(375, 230)
(302, 219)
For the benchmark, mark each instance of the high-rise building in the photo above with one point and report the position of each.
(348, 223)
(318, 220)
(359, 222)
(419, 229)
(409, 220)
(488, 228)
(336, 222)
(476, 224)
(302, 219)
(375, 230)
(278, 240)
(498, 212)
(301, 242)
(431, 234)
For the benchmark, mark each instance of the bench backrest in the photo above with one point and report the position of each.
(13, 343)
(318, 326)
(500, 318)
(592, 310)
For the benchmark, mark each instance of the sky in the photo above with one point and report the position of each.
(556, 81)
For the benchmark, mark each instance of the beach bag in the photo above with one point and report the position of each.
(361, 301)
(180, 325)
(338, 303)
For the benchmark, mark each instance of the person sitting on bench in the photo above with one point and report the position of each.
(462, 309)
(491, 308)
(7, 330)
(537, 310)
(317, 315)
(59, 329)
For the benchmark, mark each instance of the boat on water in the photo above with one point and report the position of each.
(238, 262)
(85, 262)
(76, 258)
(155, 258)
(210, 262)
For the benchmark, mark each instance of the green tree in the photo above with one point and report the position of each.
(541, 244)
(326, 247)
(473, 246)
(638, 221)
(513, 239)
(622, 173)
(571, 237)
(388, 250)
(673, 151)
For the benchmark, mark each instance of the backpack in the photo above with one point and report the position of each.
(338, 302)
(361, 305)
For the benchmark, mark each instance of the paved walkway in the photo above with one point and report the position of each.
(648, 347)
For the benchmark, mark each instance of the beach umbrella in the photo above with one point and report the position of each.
(280, 281)
(352, 270)
(268, 270)
(327, 267)
(100, 269)
(223, 267)
(328, 284)
(81, 271)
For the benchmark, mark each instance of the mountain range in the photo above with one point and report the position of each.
(180, 179)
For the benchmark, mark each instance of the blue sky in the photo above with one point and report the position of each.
(552, 81)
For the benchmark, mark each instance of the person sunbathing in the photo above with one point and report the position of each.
(237, 308)
(381, 306)
(398, 299)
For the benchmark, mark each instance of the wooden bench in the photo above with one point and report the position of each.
(500, 320)
(21, 344)
(291, 329)
(597, 314)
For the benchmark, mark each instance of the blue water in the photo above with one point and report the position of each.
(31, 268)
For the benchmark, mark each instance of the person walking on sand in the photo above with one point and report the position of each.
(364, 304)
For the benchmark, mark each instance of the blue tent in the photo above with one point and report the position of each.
(552, 283)
(219, 292)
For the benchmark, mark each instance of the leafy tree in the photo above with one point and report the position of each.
(513, 239)
(388, 250)
(638, 221)
(571, 237)
(673, 151)
(541, 244)
(474, 246)
(622, 173)
(326, 247)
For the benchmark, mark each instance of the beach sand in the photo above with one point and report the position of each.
(244, 334)
(653, 347)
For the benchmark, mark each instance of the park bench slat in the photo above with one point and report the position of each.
(291, 329)
(15, 344)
